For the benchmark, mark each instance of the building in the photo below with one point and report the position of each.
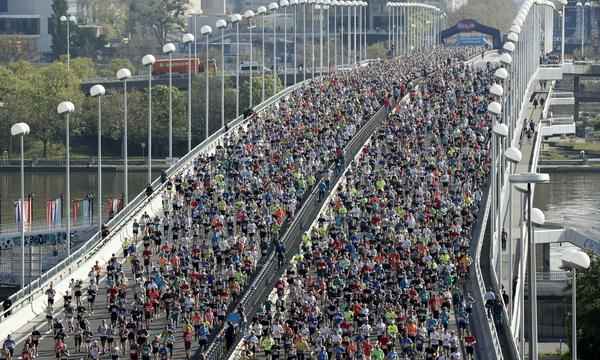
(27, 18)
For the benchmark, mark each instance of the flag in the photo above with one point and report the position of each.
(18, 211)
(53, 211)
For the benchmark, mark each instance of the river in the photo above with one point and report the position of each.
(569, 194)
(49, 185)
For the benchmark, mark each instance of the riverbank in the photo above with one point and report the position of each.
(83, 168)
(569, 168)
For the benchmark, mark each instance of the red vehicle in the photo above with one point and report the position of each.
(181, 66)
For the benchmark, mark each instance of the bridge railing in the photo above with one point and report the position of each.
(93, 245)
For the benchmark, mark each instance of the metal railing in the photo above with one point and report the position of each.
(266, 278)
(91, 247)
(42, 225)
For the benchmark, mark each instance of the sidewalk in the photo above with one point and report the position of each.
(526, 148)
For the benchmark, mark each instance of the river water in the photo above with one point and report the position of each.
(49, 185)
(575, 195)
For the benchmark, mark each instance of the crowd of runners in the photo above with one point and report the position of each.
(416, 190)
(380, 276)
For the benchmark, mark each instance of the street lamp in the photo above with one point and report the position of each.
(187, 39)
(206, 31)
(21, 129)
(148, 61)
(284, 4)
(68, 21)
(326, 8)
(169, 49)
(66, 108)
(236, 19)
(222, 25)
(562, 30)
(575, 260)
(513, 156)
(318, 7)
(262, 11)
(273, 8)
(124, 75)
(249, 14)
(195, 15)
(536, 217)
(294, 3)
(97, 91)
(303, 2)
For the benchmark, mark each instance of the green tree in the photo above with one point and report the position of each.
(83, 68)
(115, 65)
(588, 308)
(35, 96)
(56, 28)
(136, 47)
(257, 90)
(158, 17)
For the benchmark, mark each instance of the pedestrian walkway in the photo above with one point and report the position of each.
(526, 148)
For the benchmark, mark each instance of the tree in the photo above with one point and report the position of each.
(136, 47)
(83, 68)
(57, 31)
(159, 16)
(588, 308)
(14, 48)
(257, 90)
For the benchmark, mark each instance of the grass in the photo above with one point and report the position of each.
(554, 155)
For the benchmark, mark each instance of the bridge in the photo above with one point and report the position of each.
(495, 341)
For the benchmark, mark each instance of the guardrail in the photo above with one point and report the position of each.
(42, 225)
(90, 248)
(269, 274)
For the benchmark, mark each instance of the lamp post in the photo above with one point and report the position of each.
(312, 36)
(575, 260)
(68, 20)
(195, 15)
(500, 132)
(536, 217)
(335, 5)
(66, 108)
(318, 7)
(206, 31)
(124, 75)
(222, 25)
(326, 4)
(273, 8)
(562, 31)
(294, 3)
(148, 61)
(168, 49)
(249, 14)
(188, 39)
(97, 91)
(303, 2)
(235, 19)
(495, 110)
(262, 11)
(513, 156)
(21, 129)
(284, 4)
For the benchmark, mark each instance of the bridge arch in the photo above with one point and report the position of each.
(470, 25)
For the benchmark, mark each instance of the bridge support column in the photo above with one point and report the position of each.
(576, 88)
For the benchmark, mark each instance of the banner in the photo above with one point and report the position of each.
(81, 208)
(53, 211)
(114, 206)
(28, 211)
(548, 27)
